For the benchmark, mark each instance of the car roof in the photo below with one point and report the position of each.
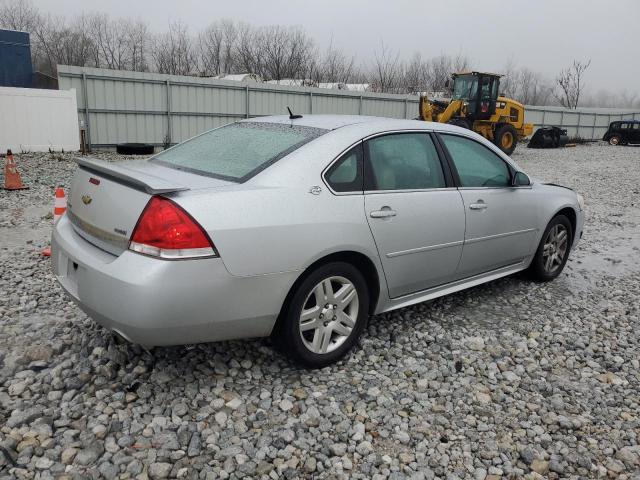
(333, 122)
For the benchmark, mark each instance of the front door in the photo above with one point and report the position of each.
(416, 218)
(501, 220)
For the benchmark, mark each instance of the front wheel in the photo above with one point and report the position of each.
(614, 140)
(506, 138)
(325, 315)
(553, 251)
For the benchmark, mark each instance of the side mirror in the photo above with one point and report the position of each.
(521, 179)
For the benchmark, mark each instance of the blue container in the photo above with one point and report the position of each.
(15, 59)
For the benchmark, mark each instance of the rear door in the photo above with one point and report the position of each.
(501, 220)
(415, 214)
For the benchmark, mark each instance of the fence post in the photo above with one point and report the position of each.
(246, 101)
(169, 139)
(544, 114)
(406, 100)
(85, 96)
(593, 130)
(360, 106)
(310, 102)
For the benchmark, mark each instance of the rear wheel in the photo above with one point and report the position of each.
(506, 138)
(614, 140)
(553, 251)
(324, 316)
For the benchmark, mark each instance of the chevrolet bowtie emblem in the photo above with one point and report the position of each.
(86, 199)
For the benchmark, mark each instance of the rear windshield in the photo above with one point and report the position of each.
(238, 151)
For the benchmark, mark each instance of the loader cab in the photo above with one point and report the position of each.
(479, 91)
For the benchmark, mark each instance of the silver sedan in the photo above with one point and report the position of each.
(300, 228)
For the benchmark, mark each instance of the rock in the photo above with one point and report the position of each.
(89, 455)
(286, 405)
(234, 403)
(159, 470)
(540, 466)
(610, 378)
(221, 418)
(68, 455)
(43, 463)
(24, 417)
(630, 455)
(310, 465)
(338, 449)
(475, 343)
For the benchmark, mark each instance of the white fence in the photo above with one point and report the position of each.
(38, 120)
(119, 106)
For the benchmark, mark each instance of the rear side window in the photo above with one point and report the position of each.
(403, 161)
(477, 166)
(238, 151)
(346, 174)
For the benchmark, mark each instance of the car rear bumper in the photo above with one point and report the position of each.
(159, 302)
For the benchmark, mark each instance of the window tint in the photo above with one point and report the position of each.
(346, 174)
(237, 151)
(477, 166)
(403, 161)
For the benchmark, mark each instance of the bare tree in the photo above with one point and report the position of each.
(387, 71)
(570, 84)
(417, 76)
(216, 48)
(440, 69)
(335, 66)
(172, 52)
(19, 15)
(286, 52)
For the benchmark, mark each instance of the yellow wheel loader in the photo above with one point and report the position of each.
(476, 105)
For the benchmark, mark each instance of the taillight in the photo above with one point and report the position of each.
(165, 230)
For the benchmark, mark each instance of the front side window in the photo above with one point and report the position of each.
(238, 151)
(477, 166)
(346, 174)
(403, 161)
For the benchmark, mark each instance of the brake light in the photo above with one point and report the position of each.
(165, 230)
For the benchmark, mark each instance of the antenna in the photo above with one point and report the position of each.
(292, 116)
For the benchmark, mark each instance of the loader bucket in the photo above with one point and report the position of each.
(549, 137)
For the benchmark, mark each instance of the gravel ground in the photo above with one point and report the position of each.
(510, 379)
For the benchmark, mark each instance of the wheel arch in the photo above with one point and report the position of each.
(571, 214)
(361, 261)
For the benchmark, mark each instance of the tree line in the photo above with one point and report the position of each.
(274, 53)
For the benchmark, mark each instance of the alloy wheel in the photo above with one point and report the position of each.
(329, 314)
(555, 248)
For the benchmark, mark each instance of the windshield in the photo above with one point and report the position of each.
(238, 151)
(465, 87)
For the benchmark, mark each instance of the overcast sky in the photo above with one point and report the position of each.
(544, 35)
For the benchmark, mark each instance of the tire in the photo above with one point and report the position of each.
(306, 347)
(460, 122)
(615, 140)
(505, 138)
(540, 266)
(134, 149)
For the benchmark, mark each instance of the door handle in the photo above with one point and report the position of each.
(384, 212)
(478, 206)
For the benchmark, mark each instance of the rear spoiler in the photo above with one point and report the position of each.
(137, 178)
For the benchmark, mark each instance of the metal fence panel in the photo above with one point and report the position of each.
(120, 106)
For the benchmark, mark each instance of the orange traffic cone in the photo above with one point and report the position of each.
(12, 180)
(59, 207)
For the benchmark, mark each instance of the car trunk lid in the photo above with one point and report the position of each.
(107, 198)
